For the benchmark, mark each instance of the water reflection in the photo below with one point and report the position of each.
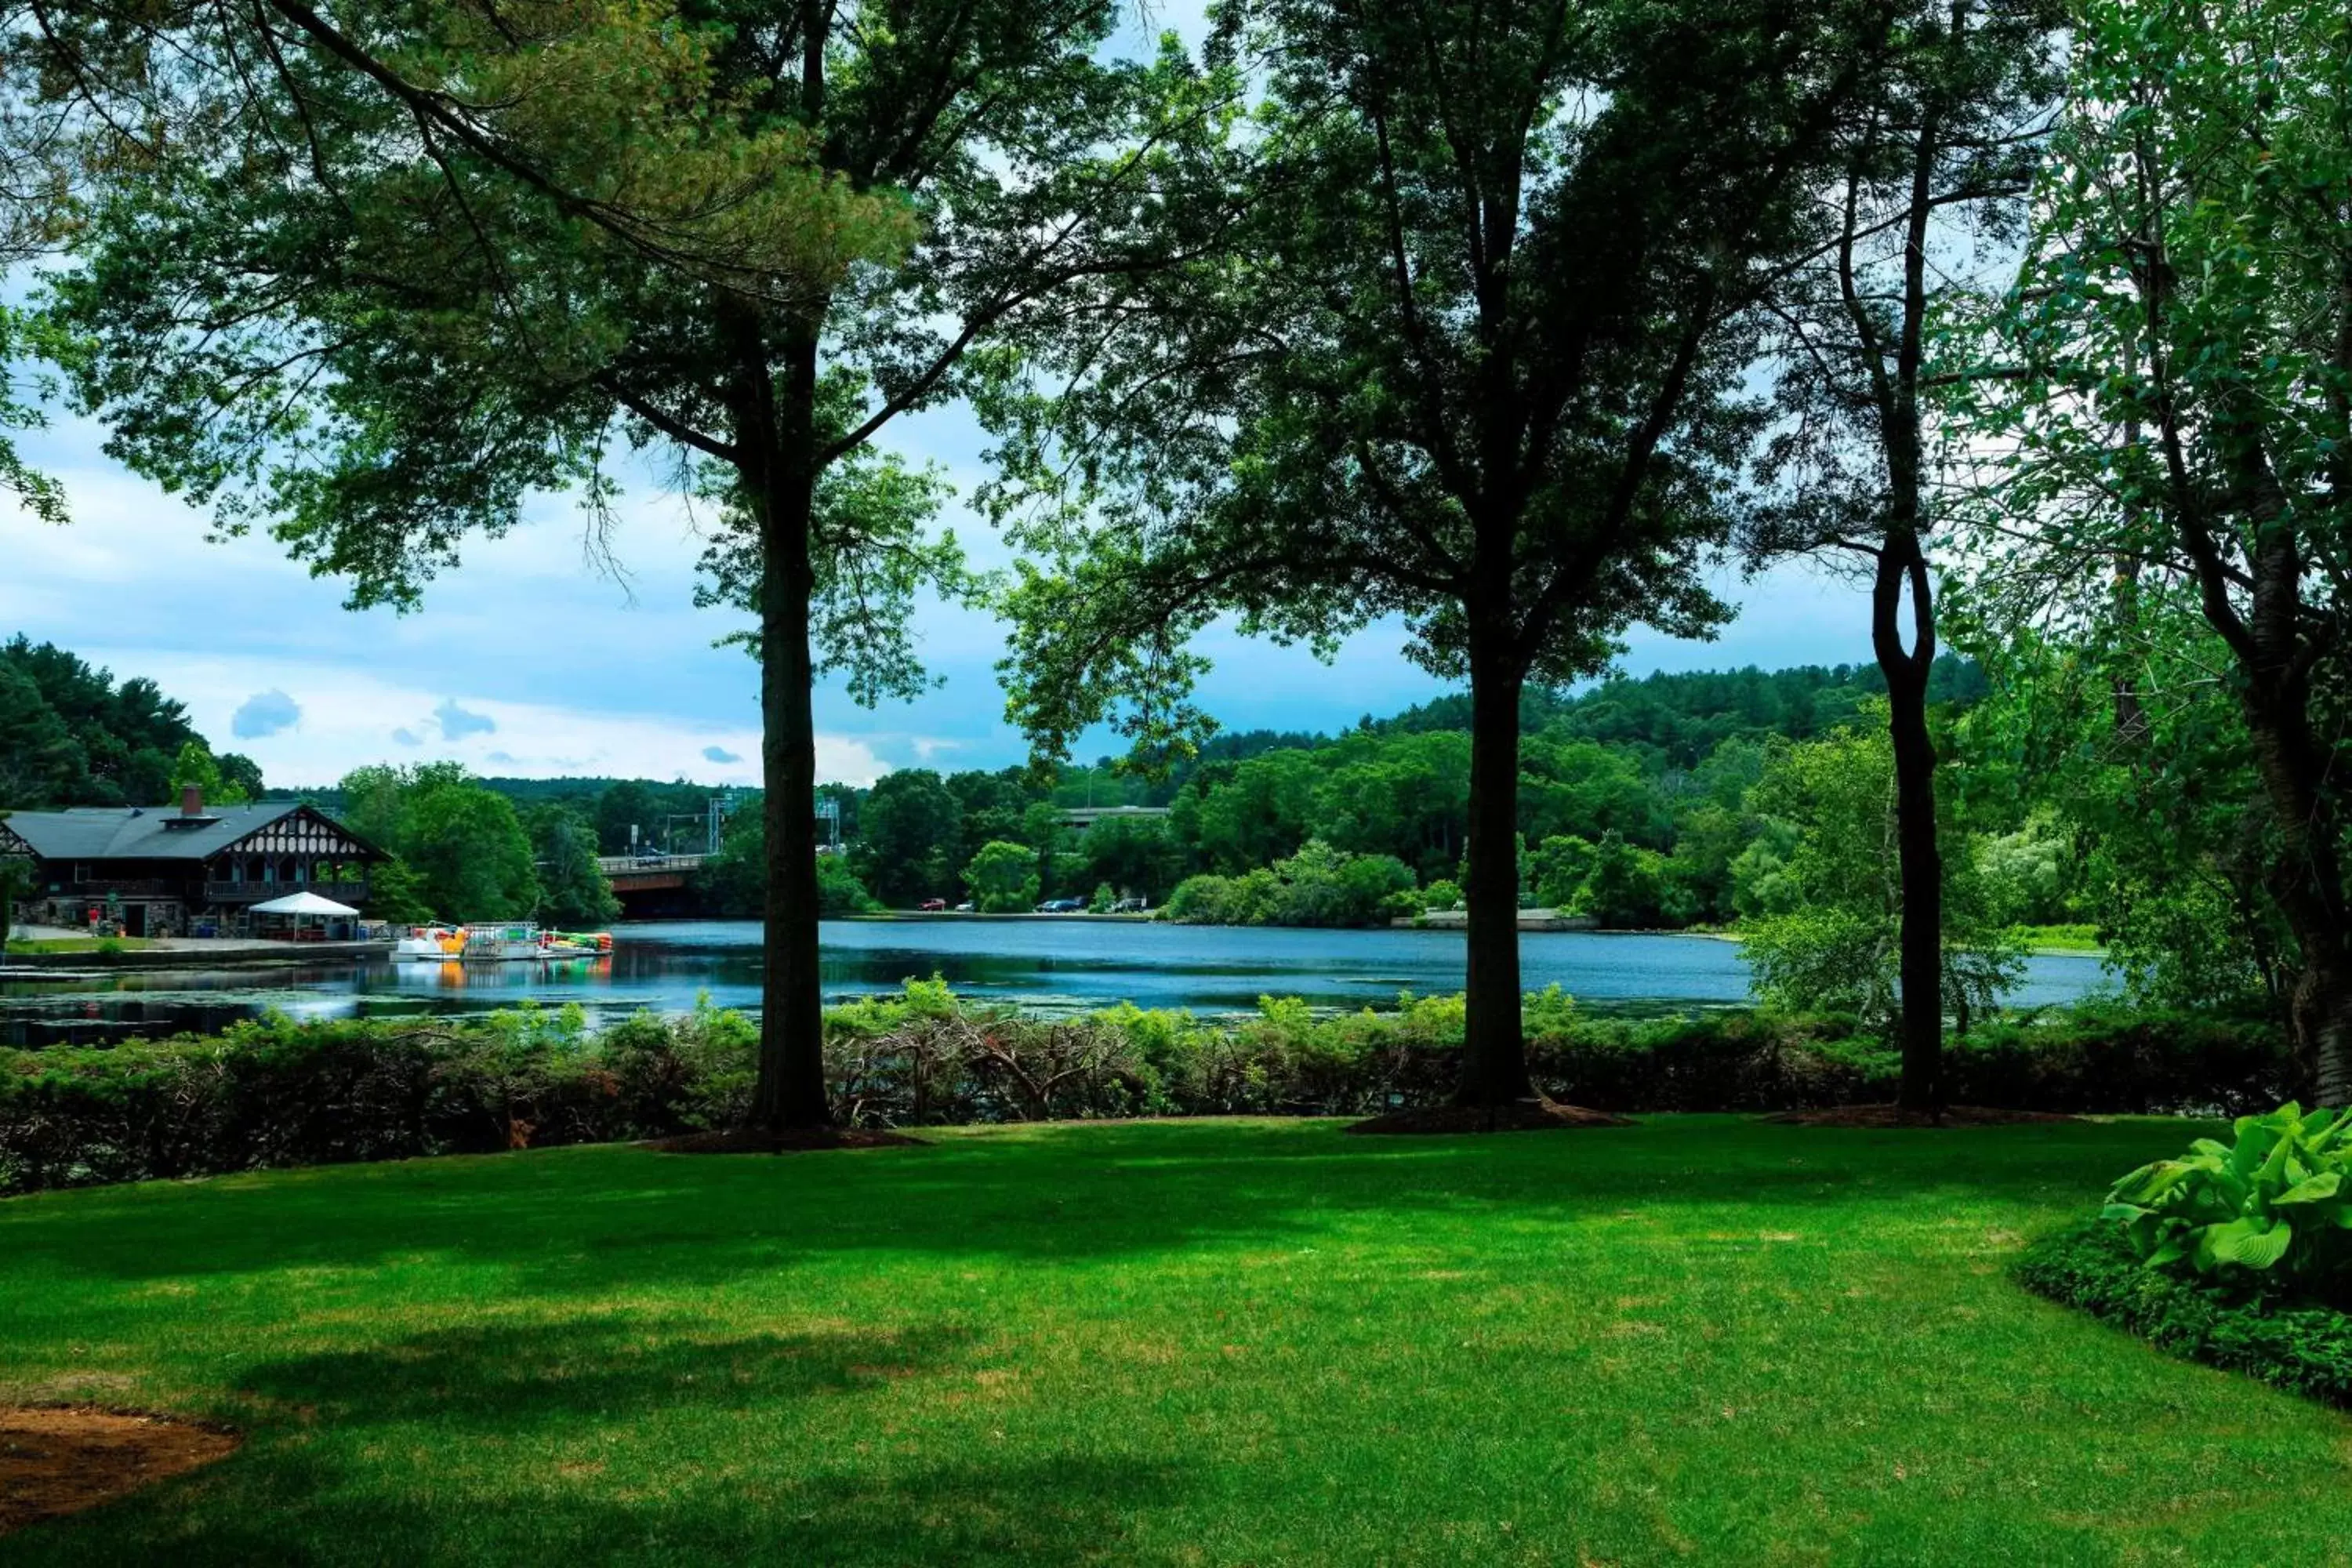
(1048, 965)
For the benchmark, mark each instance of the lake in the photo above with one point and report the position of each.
(1047, 965)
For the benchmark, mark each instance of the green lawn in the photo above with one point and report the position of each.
(1697, 1341)
(25, 944)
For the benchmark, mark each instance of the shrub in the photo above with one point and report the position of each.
(274, 1092)
(2299, 1344)
(1319, 886)
(1003, 877)
(2271, 1205)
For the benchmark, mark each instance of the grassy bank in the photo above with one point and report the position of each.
(1699, 1339)
(109, 944)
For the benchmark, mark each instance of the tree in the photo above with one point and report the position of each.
(447, 260)
(396, 895)
(1134, 857)
(1945, 133)
(574, 889)
(734, 882)
(2161, 417)
(470, 853)
(1263, 813)
(1563, 863)
(1833, 941)
(39, 760)
(1626, 888)
(1478, 365)
(195, 765)
(906, 843)
(16, 883)
(621, 808)
(1003, 877)
(463, 845)
(125, 737)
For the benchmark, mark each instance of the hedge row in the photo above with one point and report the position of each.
(2302, 1345)
(277, 1092)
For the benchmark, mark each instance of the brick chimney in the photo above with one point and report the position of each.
(192, 800)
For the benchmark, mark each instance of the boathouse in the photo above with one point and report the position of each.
(155, 871)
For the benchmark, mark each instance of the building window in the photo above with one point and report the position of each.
(269, 870)
(81, 871)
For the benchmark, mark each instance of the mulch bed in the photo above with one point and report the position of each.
(1896, 1116)
(57, 1461)
(746, 1140)
(1520, 1116)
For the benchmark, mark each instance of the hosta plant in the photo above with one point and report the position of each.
(2274, 1206)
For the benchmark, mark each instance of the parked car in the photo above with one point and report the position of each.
(1061, 906)
(933, 906)
(964, 907)
(1130, 907)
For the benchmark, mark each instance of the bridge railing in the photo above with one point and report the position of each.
(624, 864)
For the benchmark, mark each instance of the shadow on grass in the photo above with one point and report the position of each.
(509, 1378)
(292, 1508)
(598, 1220)
(590, 1440)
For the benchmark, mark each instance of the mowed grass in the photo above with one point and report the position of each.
(1699, 1340)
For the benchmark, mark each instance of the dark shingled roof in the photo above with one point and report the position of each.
(142, 833)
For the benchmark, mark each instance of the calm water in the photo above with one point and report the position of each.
(1043, 964)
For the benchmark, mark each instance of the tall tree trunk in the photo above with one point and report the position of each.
(789, 1091)
(1494, 1050)
(1919, 861)
(2274, 661)
(2306, 876)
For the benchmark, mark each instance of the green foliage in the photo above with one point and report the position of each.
(573, 890)
(466, 844)
(196, 766)
(1627, 886)
(1319, 886)
(909, 837)
(70, 736)
(2273, 1204)
(277, 1092)
(1826, 900)
(734, 882)
(2154, 426)
(2304, 1347)
(1003, 877)
(873, 558)
(396, 894)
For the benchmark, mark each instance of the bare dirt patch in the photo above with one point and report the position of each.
(747, 1141)
(57, 1461)
(1519, 1116)
(1896, 1116)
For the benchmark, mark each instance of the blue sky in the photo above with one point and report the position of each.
(530, 660)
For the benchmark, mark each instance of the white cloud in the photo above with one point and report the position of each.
(265, 713)
(344, 714)
(457, 722)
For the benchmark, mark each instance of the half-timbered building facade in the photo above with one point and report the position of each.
(158, 871)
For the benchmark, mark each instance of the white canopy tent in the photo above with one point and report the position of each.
(306, 914)
(306, 904)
